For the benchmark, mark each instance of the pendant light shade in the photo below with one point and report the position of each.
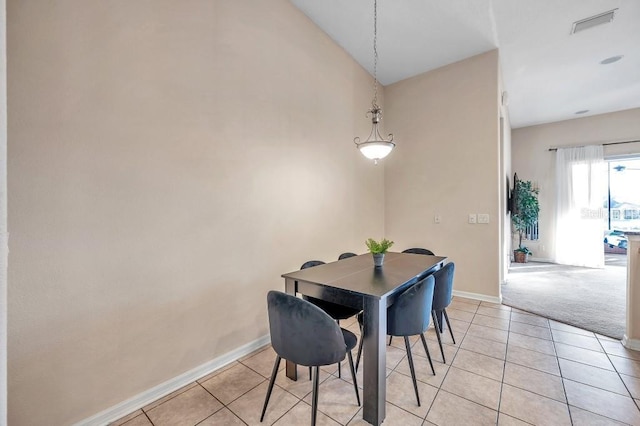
(375, 147)
(376, 150)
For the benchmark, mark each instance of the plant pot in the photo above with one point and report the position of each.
(520, 256)
(378, 259)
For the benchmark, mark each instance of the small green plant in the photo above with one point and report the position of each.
(376, 247)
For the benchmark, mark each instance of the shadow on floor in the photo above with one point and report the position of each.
(593, 299)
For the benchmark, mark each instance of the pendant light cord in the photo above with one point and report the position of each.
(374, 103)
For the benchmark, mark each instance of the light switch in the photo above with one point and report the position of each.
(472, 218)
(483, 218)
(437, 219)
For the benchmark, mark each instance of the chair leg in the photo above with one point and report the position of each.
(446, 317)
(309, 373)
(390, 338)
(359, 352)
(436, 325)
(271, 382)
(413, 371)
(314, 395)
(353, 376)
(426, 349)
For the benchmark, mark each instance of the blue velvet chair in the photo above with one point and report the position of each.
(306, 335)
(335, 311)
(442, 296)
(346, 255)
(414, 250)
(417, 250)
(409, 316)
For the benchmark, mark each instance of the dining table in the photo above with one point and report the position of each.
(357, 283)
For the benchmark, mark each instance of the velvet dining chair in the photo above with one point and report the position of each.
(418, 250)
(336, 311)
(442, 297)
(304, 334)
(346, 255)
(414, 250)
(409, 316)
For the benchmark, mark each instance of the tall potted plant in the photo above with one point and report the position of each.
(524, 214)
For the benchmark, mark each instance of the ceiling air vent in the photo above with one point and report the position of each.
(592, 21)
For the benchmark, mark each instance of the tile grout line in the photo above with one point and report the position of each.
(475, 402)
(144, 413)
(527, 390)
(504, 371)
(504, 366)
(213, 414)
(445, 377)
(584, 363)
(395, 369)
(586, 384)
(562, 379)
(223, 404)
(249, 390)
(619, 374)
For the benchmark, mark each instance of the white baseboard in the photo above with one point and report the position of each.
(633, 344)
(132, 404)
(478, 296)
(541, 259)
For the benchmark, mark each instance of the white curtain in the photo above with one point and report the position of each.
(581, 190)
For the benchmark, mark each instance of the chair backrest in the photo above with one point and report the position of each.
(302, 332)
(346, 255)
(444, 286)
(311, 264)
(410, 313)
(418, 250)
(334, 310)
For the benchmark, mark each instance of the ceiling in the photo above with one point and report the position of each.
(548, 73)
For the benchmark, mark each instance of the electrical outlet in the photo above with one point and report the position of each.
(437, 219)
(483, 218)
(473, 218)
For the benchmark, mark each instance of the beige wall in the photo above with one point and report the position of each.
(167, 162)
(3, 215)
(533, 161)
(446, 124)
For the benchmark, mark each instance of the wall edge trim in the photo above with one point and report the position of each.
(633, 344)
(144, 398)
(478, 296)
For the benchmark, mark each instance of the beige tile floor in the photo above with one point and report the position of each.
(507, 368)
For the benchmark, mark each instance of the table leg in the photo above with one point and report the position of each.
(291, 368)
(375, 360)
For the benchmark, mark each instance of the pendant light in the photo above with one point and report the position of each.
(375, 147)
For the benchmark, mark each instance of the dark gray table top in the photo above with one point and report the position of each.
(358, 275)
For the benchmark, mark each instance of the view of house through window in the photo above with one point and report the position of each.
(622, 203)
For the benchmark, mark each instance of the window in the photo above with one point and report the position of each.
(532, 232)
(624, 197)
(630, 214)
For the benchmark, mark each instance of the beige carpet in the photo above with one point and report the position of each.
(593, 299)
